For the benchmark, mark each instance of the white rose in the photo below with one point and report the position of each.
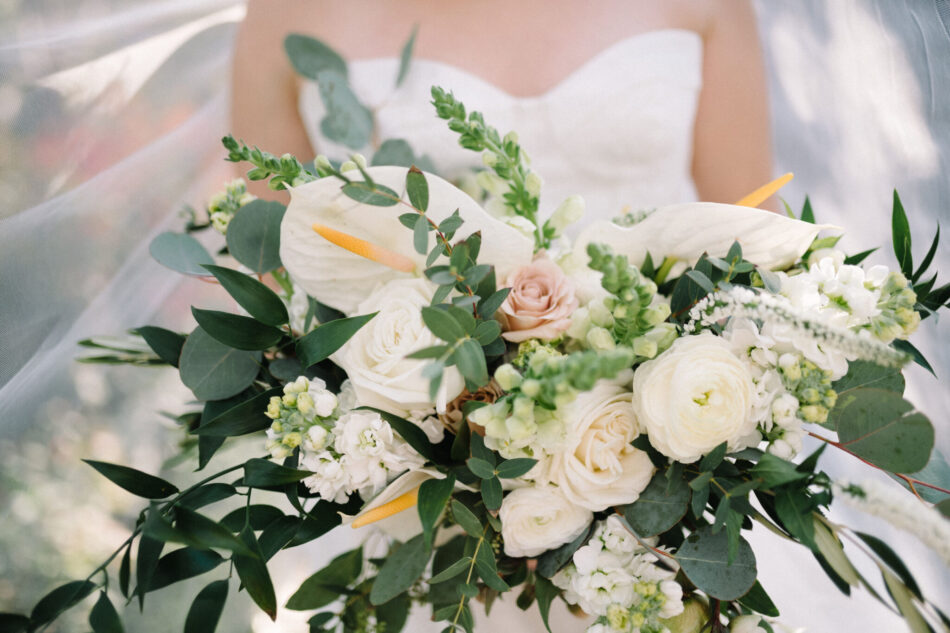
(537, 519)
(693, 397)
(375, 358)
(598, 468)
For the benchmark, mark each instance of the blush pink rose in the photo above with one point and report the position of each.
(540, 303)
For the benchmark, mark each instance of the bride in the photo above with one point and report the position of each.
(656, 102)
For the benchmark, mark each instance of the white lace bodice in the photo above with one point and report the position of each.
(618, 130)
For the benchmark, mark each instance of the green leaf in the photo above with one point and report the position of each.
(394, 151)
(324, 586)
(59, 600)
(794, 509)
(807, 214)
(854, 260)
(392, 615)
(252, 570)
(905, 602)
(234, 330)
(14, 623)
(214, 371)
(491, 493)
(713, 458)
(125, 570)
(180, 252)
(758, 600)
(936, 473)
(451, 571)
(480, 468)
(701, 280)
(104, 618)
(470, 359)
(181, 564)
(489, 305)
(199, 531)
(165, 343)
(488, 568)
(658, 509)
(442, 324)
(254, 235)
(261, 473)
(433, 495)
(146, 560)
(257, 515)
(207, 607)
(908, 348)
(414, 436)
(487, 331)
(892, 560)
(703, 557)
(347, 122)
(375, 195)
(319, 344)
(878, 426)
(900, 230)
(278, 534)
(261, 302)
(775, 471)
(928, 258)
(420, 235)
(512, 468)
(546, 592)
(418, 189)
(862, 373)
(310, 56)
(770, 280)
(465, 518)
(406, 56)
(833, 553)
(134, 481)
(400, 570)
(481, 451)
(246, 417)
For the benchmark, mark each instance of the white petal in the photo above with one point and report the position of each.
(686, 231)
(342, 279)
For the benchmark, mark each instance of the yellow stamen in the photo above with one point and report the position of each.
(366, 249)
(763, 193)
(386, 510)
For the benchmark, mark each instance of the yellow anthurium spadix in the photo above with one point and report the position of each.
(764, 192)
(400, 503)
(365, 249)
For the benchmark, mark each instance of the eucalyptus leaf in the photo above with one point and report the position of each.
(214, 371)
(703, 557)
(401, 570)
(658, 508)
(180, 252)
(442, 324)
(310, 56)
(253, 235)
(347, 121)
(418, 190)
(513, 468)
(405, 58)
(465, 518)
(394, 151)
(492, 493)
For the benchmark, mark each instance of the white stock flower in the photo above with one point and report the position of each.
(597, 467)
(535, 519)
(375, 358)
(695, 396)
(371, 451)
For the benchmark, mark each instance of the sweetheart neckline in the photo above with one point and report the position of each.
(598, 58)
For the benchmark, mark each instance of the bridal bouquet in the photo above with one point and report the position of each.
(524, 417)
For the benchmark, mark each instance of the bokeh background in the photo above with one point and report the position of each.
(110, 117)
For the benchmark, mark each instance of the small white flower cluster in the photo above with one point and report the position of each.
(223, 206)
(347, 450)
(901, 510)
(614, 577)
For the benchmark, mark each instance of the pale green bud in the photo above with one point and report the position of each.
(489, 159)
(359, 159)
(810, 395)
(292, 440)
(569, 212)
(491, 183)
(519, 428)
(511, 137)
(600, 339)
(305, 403)
(580, 323)
(220, 222)
(276, 426)
(289, 399)
(523, 408)
(508, 377)
(273, 408)
(814, 413)
(600, 315)
(790, 367)
(532, 184)
(564, 398)
(656, 314)
(691, 620)
(322, 162)
(643, 346)
(348, 166)
(618, 617)
(637, 620)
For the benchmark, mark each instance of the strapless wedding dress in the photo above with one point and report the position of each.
(619, 132)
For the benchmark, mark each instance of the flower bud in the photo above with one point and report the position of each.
(489, 159)
(348, 166)
(567, 213)
(508, 377)
(321, 162)
(316, 438)
(600, 315)
(746, 624)
(289, 399)
(511, 137)
(491, 183)
(305, 403)
(600, 339)
(531, 388)
(618, 617)
(325, 403)
(642, 346)
(292, 440)
(532, 184)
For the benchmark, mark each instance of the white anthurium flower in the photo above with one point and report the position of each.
(686, 231)
(342, 279)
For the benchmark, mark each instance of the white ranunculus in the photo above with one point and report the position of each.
(598, 468)
(695, 396)
(375, 358)
(536, 519)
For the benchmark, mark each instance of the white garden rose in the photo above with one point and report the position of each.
(375, 358)
(597, 467)
(695, 396)
(535, 519)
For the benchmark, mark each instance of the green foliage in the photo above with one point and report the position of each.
(253, 235)
(261, 302)
(245, 417)
(326, 339)
(281, 170)
(253, 573)
(433, 496)
(324, 586)
(759, 601)
(104, 618)
(550, 562)
(234, 330)
(58, 600)
(165, 343)
(310, 56)
(401, 570)
(134, 481)
(347, 121)
(900, 229)
(406, 56)
(864, 374)
(661, 505)
(704, 559)
(180, 252)
(261, 473)
(774, 471)
(182, 564)
(214, 371)
(207, 607)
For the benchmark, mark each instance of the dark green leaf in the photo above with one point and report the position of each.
(451, 571)
(374, 195)
(392, 615)
(310, 56)
(442, 324)
(104, 618)
(488, 568)
(512, 468)
(134, 481)
(257, 515)
(418, 190)
(854, 260)
(487, 331)
(758, 600)
(261, 473)
(400, 570)
(125, 571)
(254, 235)
(464, 517)
(546, 592)
(347, 121)
(324, 586)
(165, 343)
(866, 374)
(698, 500)
(205, 611)
(928, 258)
(252, 570)
(900, 229)
(328, 338)
(480, 468)
(180, 252)
(183, 563)
(246, 417)
(704, 559)
(908, 348)
(404, 60)
(701, 280)
(481, 451)
(470, 359)
(807, 214)
(436, 351)
(877, 425)
(14, 623)
(414, 436)
(200, 531)
(420, 235)
(433, 495)
(214, 371)
(491, 493)
(206, 495)
(278, 534)
(60, 599)
(234, 330)
(489, 305)
(794, 509)
(713, 458)
(261, 302)
(775, 471)
(892, 560)
(149, 551)
(658, 509)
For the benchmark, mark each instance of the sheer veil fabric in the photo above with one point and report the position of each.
(110, 116)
